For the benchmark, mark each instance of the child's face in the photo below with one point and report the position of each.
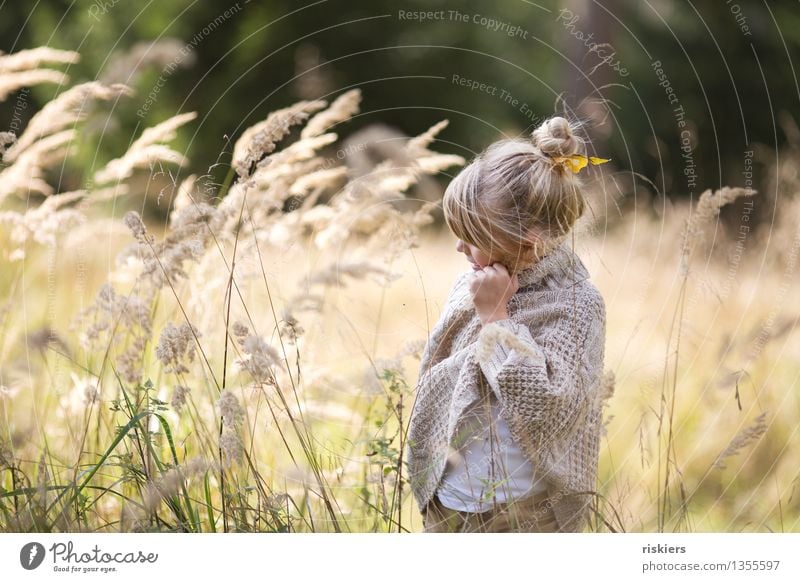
(477, 258)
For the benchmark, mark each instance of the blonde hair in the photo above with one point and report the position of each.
(513, 200)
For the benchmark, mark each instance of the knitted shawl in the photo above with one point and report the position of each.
(544, 364)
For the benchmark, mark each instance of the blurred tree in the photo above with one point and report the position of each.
(491, 68)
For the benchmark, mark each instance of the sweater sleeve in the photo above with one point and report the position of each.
(453, 364)
(546, 382)
(430, 353)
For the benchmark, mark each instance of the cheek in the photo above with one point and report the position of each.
(480, 257)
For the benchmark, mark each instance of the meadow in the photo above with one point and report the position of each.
(247, 363)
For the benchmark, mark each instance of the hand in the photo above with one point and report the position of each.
(491, 288)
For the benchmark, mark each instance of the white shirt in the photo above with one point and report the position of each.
(468, 482)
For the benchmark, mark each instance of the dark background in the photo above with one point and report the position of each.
(739, 91)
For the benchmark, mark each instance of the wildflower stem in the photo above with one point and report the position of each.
(120, 435)
(676, 320)
(228, 294)
(304, 442)
(226, 183)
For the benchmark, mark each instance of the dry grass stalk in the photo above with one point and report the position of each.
(64, 111)
(147, 150)
(20, 69)
(707, 208)
(743, 439)
(343, 108)
(26, 60)
(10, 82)
(119, 326)
(260, 139)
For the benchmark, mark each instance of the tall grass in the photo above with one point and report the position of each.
(248, 364)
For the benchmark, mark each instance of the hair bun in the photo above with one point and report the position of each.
(555, 137)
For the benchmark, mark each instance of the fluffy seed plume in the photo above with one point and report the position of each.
(170, 482)
(26, 174)
(290, 328)
(231, 447)
(707, 209)
(336, 273)
(317, 181)
(342, 109)
(178, 400)
(230, 409)
(260, 139)
(116, 315)
(20, 69)
(48, 138)
(413, 348)
(364, 207)
(239, 329)
(134, 222)
(422, 141)
(743, 439)
(184, 198)
(261, 358)
(10, 82)
(176, 346)
(147, 150)
(32, 58)
(43, 223)
(163, 261)
(63, 112)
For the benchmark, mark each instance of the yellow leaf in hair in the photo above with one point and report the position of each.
(574, 162)
(577, 162)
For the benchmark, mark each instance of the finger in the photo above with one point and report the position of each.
(500, 267)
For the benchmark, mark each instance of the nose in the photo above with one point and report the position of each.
(460, 246)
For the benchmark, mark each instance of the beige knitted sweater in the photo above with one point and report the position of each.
(544, 364)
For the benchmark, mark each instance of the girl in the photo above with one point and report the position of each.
(504, 431)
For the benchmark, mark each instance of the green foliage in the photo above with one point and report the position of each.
(405, 69)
